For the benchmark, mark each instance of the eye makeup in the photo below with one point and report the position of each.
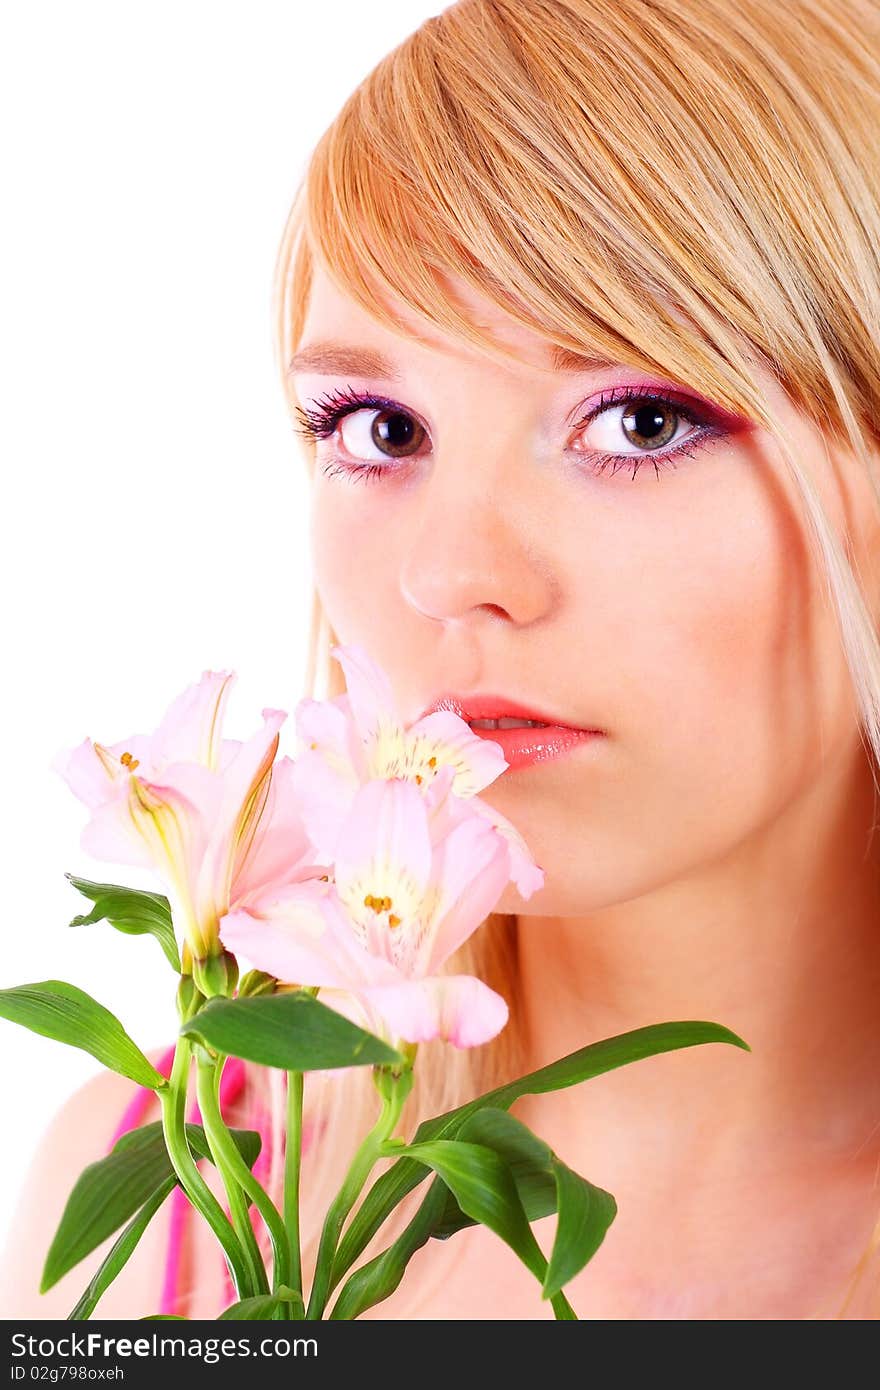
(321, 421)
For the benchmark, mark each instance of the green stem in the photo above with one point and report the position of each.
(292, 1164)
(173, 1099)
(394, 1091)
(207, 1091)
(234, 1166)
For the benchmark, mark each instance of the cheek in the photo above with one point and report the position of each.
(350, 564)
(725, 654)
(706, 639)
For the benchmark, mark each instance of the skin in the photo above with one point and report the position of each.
(709, 857)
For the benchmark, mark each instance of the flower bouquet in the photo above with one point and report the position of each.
(347, 876)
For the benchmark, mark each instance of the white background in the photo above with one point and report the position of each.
(154, 508)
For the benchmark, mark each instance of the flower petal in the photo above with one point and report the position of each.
(289, 934)
(470, 872)
(111, 835)
(385, 837)
(364, 968)
(525, 873)
(280, 848)
(325, 797)
(372, 700)
(190, 729)
(452, 810)
(458, 1008)
(477, 761)
(328, 727)
(321, 724)
(95, 773)
(436, 794)
(201, 787)
(244, 787)
(246, 779)
(283, 948)
(175, 836)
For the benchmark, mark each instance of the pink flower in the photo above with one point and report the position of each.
(410, 887)
(359, 736)
(211, 816)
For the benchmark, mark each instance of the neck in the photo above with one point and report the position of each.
(780, 942)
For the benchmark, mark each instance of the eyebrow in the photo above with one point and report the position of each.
(336, 359)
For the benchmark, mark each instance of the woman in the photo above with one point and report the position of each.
(578, 313)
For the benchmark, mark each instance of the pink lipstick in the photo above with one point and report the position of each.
(524, 735)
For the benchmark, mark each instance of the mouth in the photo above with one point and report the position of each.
(495, 712)
(525, 736)
(506, 723)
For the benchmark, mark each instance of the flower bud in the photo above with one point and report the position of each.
(394, 1081)
(256, 982)
(189, 998)
(216, 975)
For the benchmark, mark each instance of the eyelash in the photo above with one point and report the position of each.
(329, 410)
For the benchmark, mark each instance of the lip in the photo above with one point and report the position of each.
(521, 747)
(488, 706)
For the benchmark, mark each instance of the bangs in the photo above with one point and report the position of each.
(652, 184)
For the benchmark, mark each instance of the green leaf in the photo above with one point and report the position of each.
(130, 910)
(484, 1188)
(119, 1255)
(67, 1014)
(163, 1317)
(292, 1031)
(262, 1307)
(527, 1157)
(110, 1190)
(247, 1141)
(562, 1309)
(546, 1184)
(586, 1062)
(379, 1277)
(585, 1213)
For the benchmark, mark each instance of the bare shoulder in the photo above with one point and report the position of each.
(80, 1132)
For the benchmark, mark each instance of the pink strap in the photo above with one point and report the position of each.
(134, 1112)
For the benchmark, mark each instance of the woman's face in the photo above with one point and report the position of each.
(676, 608)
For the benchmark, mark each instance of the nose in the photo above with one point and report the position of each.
(478, 546)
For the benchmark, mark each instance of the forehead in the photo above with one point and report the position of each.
(334, 315)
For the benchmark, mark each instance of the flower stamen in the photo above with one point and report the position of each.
(377, 904)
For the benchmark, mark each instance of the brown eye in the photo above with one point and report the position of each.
(631, 426)
(395, 433)
(650, 424)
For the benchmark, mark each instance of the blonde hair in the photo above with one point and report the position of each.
(677, 184)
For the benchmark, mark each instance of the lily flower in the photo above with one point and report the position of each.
(215, 818)
(408, 890)
(360, 735)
